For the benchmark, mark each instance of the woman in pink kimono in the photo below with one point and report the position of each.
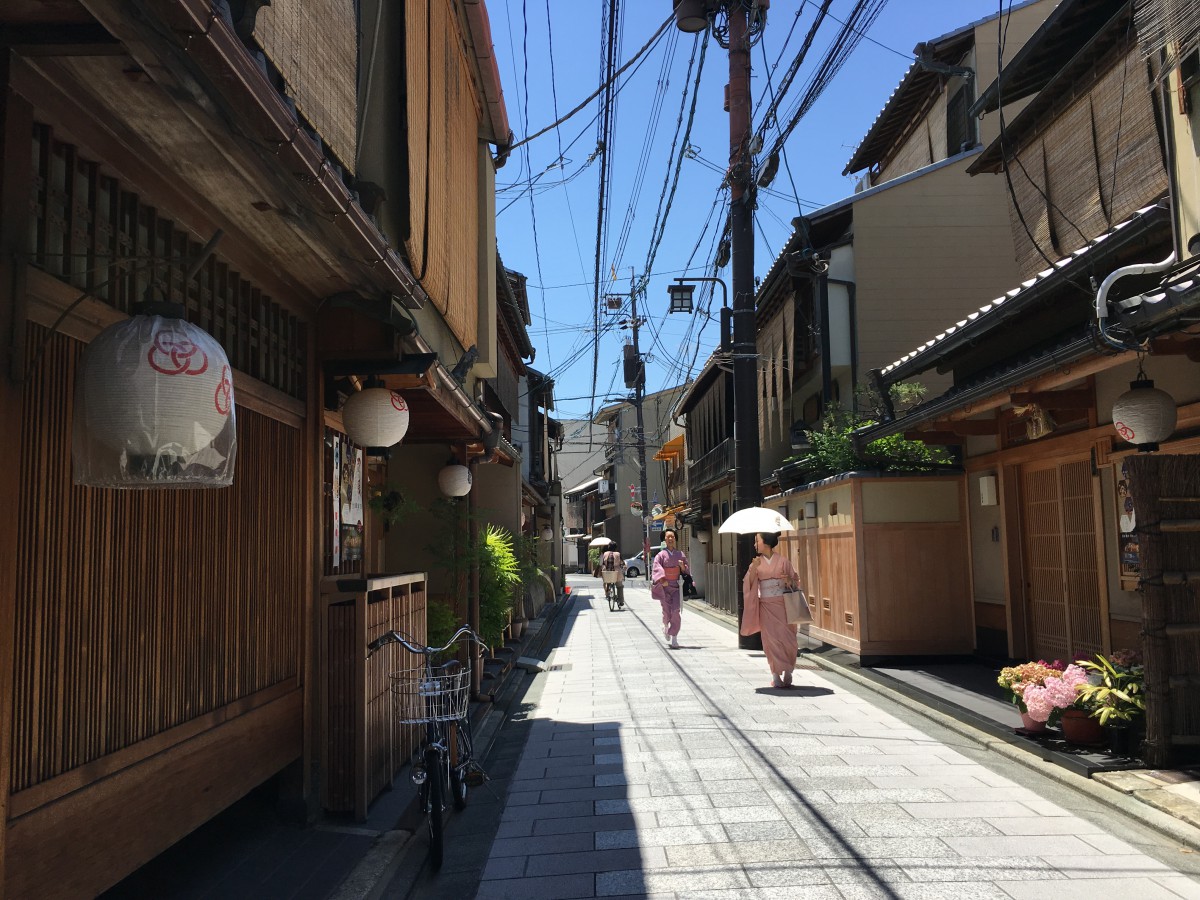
(666, 585)
(769, 575)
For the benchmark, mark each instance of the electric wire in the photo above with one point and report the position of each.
(603, 86)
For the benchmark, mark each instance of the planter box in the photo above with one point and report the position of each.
(885, 563)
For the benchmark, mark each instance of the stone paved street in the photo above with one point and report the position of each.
(656, 772)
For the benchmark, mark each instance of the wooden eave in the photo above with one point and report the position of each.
(188, 117)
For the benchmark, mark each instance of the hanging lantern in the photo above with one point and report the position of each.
(154, 407)
(1144, 415)
(547, 533)
(455, 480)
(375, 417)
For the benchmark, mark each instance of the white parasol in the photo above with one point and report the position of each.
(601, 542)
(755, 519)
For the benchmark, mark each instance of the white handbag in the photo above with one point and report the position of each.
(795, 606)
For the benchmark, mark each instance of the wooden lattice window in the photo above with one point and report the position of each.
(88, 230)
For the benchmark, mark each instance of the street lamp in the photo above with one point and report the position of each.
(681, 297)
(681, 293)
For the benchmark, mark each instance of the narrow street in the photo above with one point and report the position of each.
(651, 772)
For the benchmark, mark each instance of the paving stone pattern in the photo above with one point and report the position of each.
(651, 772)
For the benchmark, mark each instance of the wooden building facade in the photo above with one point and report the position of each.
(1057, 561)
(167, 651)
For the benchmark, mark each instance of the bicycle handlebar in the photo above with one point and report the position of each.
(394, 637)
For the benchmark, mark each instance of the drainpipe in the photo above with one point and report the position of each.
(1106, 286)
(493, 94)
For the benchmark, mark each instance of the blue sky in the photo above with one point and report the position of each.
(560, 264)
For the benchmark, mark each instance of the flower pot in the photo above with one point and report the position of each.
(1031, 725)
(1123, 741)
(1080, 728)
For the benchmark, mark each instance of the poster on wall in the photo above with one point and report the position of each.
(352, 506)
(1127, 539)
(337, 501)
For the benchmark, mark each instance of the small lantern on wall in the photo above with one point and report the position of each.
(455, 480)
(547, 533)
(375, 417)
(1144, 415)
(154, 406)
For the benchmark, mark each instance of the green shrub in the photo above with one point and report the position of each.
(499, 574)
(440, 622)
(831, 446)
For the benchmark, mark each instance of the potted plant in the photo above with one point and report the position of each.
(499, 574)
(1115, 696)
(1056, 696)
(1017, 680)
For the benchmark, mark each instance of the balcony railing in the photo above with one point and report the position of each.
(714, 465)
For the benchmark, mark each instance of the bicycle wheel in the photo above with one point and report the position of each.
(433, 803)
(610, 591)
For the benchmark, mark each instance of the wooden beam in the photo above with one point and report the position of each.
(1082, 398)
(934, 437)
(968, 426)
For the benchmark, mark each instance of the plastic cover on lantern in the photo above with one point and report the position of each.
(154, 408)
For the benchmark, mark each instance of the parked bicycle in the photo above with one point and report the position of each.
(444, 766)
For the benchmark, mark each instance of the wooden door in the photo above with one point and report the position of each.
(1063, 578)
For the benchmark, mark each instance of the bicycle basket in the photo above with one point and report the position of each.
(419, 697)
(611, 577)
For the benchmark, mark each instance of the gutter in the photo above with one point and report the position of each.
(451, 384)
(214, 47)
(493, 95)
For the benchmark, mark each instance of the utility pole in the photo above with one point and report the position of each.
(747, 488)
(639, 393)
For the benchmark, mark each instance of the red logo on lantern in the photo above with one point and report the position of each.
(1124, 431)
(174, 354)
(398, 403)
(224, 395)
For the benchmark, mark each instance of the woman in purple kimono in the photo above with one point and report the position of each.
(769, 575)
(666, 585)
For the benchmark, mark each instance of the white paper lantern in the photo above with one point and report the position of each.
(455, 480)
(547, 533)
(153, 396)
(375, 417)
(1144, 415)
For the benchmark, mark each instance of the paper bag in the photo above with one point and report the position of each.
(795, 604)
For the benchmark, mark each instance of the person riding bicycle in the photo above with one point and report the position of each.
(612, 562)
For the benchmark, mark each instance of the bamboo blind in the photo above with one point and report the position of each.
(314, 45)
(776, 350)
(137, 611)
(1093, 167)
(443, 166)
